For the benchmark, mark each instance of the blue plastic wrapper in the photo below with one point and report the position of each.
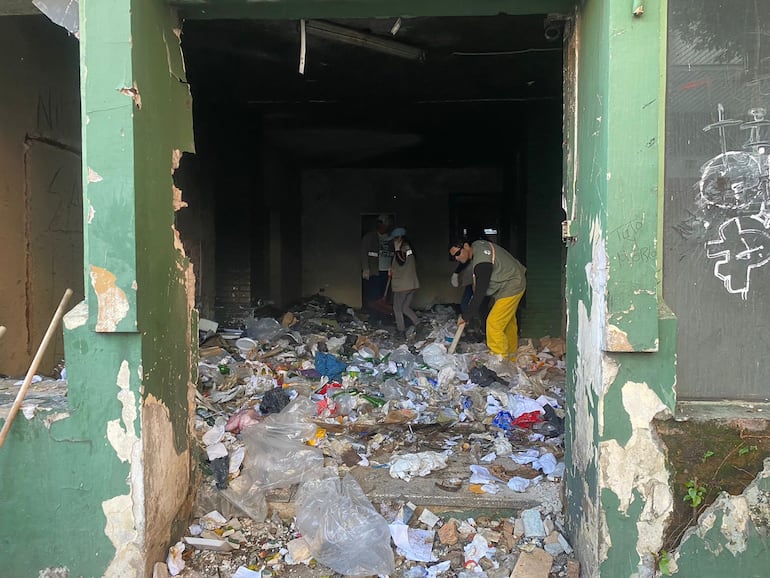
(503, 420)
(328, 365)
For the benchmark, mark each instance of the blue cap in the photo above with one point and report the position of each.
(397, 232)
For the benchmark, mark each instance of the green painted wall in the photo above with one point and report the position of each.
(585, 201)
(162, 129)
(166, 288)
(108, 165)
(54, 483)
(103, 489)
(611, 198)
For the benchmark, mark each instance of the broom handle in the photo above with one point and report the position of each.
(33, 367)
(387, 286)
(456, 338)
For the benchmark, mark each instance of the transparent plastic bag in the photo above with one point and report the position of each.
(293, 421)
(435, 356)
(232, 502)
(276, 456)
(265, 329)
(342, 528)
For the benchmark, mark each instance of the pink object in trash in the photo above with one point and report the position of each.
(242, 419)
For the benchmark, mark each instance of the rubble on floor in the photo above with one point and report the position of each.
(336, 410)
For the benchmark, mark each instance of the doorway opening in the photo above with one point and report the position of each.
(302, 127)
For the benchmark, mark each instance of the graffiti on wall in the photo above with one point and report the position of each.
(733, 201)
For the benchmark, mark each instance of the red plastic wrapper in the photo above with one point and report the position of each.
(331, 385)
(527, 420)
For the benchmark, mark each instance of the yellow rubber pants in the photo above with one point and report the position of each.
(502, 329)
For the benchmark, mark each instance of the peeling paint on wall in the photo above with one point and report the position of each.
(111, 299)
(639, 465)
(738, 519)
(178, 203)
(125, 537)
(125, 514)
(76, 317)
(589, 387)
(133, 92)
(93, 176)
(123, 438)
(617, 339)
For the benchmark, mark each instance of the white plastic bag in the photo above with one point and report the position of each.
(342, 528)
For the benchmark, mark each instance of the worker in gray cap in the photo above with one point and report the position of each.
(376, 257)
(403, 279)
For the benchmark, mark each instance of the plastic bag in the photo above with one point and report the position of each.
(435, 356)
(234, 501)
(265, 329)
(342, 528)
(276, 456)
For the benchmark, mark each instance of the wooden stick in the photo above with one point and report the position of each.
(2, 331)
(35, 363)
(456, 338)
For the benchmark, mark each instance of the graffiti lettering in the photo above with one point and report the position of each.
(629, 231)
(636, 255)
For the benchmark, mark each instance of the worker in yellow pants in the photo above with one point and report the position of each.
(499, 275)
(502, 328)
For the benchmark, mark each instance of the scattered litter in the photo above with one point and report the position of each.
(290, 406)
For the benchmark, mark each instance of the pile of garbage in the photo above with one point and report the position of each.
(305, 404)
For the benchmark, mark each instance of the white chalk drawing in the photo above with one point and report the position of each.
(732, 195)
(743, 245)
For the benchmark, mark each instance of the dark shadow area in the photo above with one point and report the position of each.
(441, 137)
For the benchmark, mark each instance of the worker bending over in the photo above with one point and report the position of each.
(499, 275)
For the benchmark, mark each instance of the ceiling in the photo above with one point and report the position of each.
(355, 103)
(488, 58)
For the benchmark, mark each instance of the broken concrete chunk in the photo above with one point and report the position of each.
(447, 533)
(212, 520)
(535, 564)
(552, 545)
(518, 528)
(299, 552)
(564, 543)
(533, 524)
(209, 544)
(573, 569)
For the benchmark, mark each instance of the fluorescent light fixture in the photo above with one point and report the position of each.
(344, 35)
(490, 231)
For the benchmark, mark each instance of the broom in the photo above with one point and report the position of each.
(382, 304)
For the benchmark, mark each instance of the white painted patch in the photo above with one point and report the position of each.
(640, 465)
(122, 438)
(735, 524)
(125, 514)
(76, 317)
(125, 538)
(589, 384)
(91, 213)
